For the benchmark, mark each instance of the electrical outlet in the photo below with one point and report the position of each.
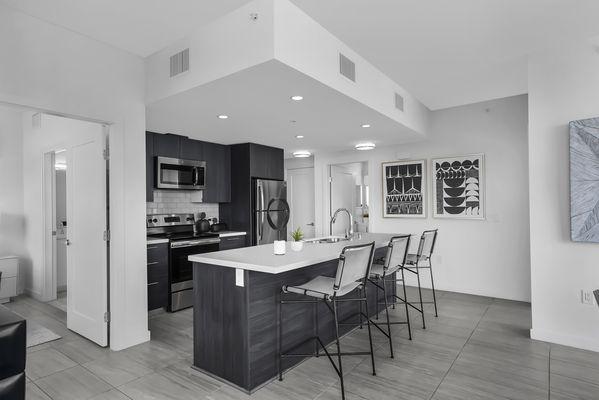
(586, 297)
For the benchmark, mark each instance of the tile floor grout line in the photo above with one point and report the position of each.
(42, 390)
(460, 352)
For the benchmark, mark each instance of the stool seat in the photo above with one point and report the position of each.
(411, 258)
(378, 270)
(321, 287)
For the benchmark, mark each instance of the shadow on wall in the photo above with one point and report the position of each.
(12, 243)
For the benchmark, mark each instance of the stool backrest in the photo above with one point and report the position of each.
(397, 251)
(427, 244)
(354, 264)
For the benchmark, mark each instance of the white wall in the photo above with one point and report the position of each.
(488, 257)
(50, 68)
(12, 220)
(563, 86)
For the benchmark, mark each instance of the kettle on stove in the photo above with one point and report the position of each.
(202, 225)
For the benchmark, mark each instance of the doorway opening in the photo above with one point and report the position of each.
(59, 193)
(349, 189)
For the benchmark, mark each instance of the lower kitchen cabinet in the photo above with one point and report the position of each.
(157, 275)
(232, 242)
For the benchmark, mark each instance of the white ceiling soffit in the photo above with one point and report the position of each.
(258, 103)
(141, 27)
(448, 53)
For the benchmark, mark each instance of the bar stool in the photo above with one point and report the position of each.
(422, 260)
(382, 273)
(352, 273)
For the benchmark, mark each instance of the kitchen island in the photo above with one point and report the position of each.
(235, 307)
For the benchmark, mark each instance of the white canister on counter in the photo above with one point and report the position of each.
(279, 247)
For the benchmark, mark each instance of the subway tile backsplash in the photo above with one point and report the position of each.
(179, 202)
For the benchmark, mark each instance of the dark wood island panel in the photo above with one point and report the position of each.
(235, 327)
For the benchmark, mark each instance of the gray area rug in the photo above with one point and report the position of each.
(37, 334)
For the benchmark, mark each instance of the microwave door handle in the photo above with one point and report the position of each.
(195, 176)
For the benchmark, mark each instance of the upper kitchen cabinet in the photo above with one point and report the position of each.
(266, 162)
(167, 145)
(218, 173)
(216, 156)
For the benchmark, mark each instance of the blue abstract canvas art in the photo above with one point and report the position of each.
(584, 180)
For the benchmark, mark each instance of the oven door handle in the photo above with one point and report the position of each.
(194, 244)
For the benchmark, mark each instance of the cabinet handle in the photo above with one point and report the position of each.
(152, 247)
(153, 263)
(153, 283)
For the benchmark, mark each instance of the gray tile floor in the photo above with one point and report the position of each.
(478, 348)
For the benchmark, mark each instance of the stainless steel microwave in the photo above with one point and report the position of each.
(175, 173)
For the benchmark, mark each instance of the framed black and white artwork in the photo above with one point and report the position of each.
(459, 187)
(404, 189)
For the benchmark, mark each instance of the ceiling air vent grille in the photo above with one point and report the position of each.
(347, 67)
(180, 63)
(398, 102)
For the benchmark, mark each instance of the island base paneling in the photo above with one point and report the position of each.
(235, 327)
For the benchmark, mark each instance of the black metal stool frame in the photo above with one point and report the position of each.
(333, 300)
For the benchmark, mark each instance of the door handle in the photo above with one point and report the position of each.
(310, 224)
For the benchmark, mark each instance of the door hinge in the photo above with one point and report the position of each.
(107, 316)
(330, 179)
(107, 236)
(106, 154)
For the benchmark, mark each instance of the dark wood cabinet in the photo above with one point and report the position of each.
(248, 161)
(157, 275)
(150, 166)
(218, 173)
(232, 242)
(190, 149)
(266, 162)
(217, 157)
(167, 145)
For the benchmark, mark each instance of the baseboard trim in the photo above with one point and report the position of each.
(578, 342)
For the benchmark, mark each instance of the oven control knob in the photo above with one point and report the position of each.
(189, 219)
(154, 220)
(150, 220)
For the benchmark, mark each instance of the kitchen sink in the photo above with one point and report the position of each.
(330, 239)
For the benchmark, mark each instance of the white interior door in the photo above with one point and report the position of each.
(301, 200)
(342, 196)
(87, 274)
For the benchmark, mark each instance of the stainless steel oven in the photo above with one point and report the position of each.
(175, 173)
(181, 269)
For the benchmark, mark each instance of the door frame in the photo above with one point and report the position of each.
(327, 211)
(290, 195)
(48, 206)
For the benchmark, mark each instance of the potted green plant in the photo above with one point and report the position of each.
(297, 236)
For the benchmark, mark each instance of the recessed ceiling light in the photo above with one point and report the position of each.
(297, 98)
(223, 116)
(365, 125)
(299, 136)
(365, 146)
(301, 154)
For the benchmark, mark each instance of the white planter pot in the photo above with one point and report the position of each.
(297, 246)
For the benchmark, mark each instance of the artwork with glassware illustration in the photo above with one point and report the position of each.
(404, 189)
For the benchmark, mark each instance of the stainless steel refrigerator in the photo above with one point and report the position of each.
(270, 211)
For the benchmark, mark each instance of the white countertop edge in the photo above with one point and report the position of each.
(259, 268)
(231, 233)
(156, 241)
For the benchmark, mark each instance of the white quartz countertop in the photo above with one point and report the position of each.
(151, 240)
(230, 233)
(262, 259)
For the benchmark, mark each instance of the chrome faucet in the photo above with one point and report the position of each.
(351, 222)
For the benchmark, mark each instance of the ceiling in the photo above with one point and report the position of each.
(141, 27)
(258, 103)
(446, 53)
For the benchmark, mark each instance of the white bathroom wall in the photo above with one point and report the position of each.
(489, 257)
